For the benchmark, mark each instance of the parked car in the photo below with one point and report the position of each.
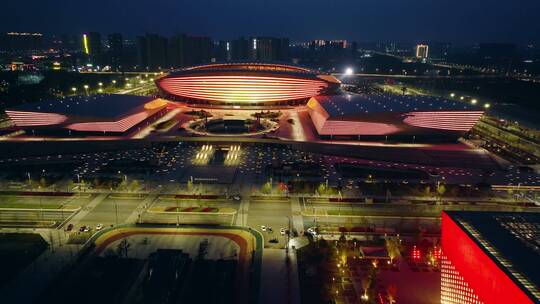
(69, 227)
(99, 227)
(263, 227)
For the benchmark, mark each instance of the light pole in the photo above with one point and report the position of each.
(116, 211)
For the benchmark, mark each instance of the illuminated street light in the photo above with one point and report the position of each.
(487, 105)
(100, 84)
(474, 101)
(452, 95)
(114, 81)
(74, 89)
(349, 71)
(86, 87)
(461, 98)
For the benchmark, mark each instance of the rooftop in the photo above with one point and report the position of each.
(352, 104)
(100, 105)
(512, 239)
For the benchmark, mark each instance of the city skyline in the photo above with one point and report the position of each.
(390, 20)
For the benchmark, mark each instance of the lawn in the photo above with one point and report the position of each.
(193, 209)
(17, 202)
(17, 250)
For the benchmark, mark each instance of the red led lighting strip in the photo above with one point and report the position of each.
(110, 126)
(468, 262)
(357, 128)
(453, 121)
(242, 88)
(28, 119)
(271, 67)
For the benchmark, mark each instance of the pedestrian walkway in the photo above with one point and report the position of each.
(32, 281)
(297, 219)
(279, 282)
(144, 205)
(89, 207)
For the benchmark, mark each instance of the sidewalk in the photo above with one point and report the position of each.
(277, 284)
(28, 285)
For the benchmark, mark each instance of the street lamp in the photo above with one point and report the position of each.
(86, 88)
(452, 95)
(349, 71)
(474, 101)
(487, 105)
(74, 90)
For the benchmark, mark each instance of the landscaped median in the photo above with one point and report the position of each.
(192, 210)
(363, 213)
(127, 196)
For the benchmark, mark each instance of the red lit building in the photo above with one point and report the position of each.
(490, 257)
(376, 115)
(246, 83)
(101, 113)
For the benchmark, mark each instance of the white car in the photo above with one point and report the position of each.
(312, 231)
(282, 231)
(86, 229)
(99, 227)
(263, 227)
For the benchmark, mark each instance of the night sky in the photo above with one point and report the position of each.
(456, 21)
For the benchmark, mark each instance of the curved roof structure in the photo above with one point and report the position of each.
(252, 83)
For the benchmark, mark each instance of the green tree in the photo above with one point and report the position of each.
(266, 188)
(393, 248)
(203, 249)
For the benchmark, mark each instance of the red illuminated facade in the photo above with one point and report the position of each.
(100, 113)
(474, 271)
(389, 115)
(246, 83)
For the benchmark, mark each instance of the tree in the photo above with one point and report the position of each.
(43, 182)
(391, 292)
(441, 189)
(203, 249)
(134, 185)
(321, 189)
(123, 248)
(393, 248)
(266, 188)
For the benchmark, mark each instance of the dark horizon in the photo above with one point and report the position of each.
(460, 22)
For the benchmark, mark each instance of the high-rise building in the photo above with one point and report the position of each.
(422, 51)
(176, 56)
(152, 52)
(142, 54)
(197, 50)
(223, 50)
(14, 41)
(269, 49)
(240, 49)
(489, 257)
(92, 47)
(116, 52)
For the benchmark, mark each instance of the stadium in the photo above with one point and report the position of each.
(240, 87)
(246, 83)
